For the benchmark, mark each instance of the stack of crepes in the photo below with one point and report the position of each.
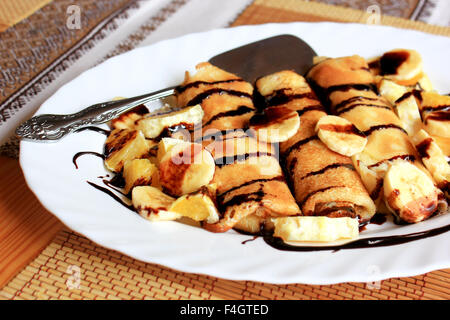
(251, 187)
(250, 182)
(402, 166)
(324, 182)
(272, 160)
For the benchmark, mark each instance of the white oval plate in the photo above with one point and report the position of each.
(63, 190)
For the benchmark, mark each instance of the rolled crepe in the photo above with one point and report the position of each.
(435, 111)
(346, 86)
(324, 182)
(251, 187)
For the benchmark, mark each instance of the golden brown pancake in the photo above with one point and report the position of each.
(324, 182)
(250, 183)
(347, 87)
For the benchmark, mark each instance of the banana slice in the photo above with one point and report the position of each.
(254, 224)
(391, 91)
(152, 204)
(408, 112)
(128, 119)
(403, 66)
(438, 124)
(123, 145)
(425, 84)
(409, 193)
(433, 158)
(340, 135)
(277, 124)
(436, 114)
(370, 178)
(444, 144)
(165, 145)
(198, 206)
(315, 229)
(153, 126)
(138, 172)
(184, 167)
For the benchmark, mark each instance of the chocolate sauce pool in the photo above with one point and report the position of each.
(373, 242)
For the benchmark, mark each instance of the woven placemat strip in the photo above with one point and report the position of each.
(13, 11)
(267, 11)
(107, 274)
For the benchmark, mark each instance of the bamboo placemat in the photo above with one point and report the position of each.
(13, 11)
(106, 274)
(266, 11)
(73, 267)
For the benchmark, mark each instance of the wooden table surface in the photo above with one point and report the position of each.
(26, 227)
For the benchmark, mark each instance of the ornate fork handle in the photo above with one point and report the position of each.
(51, 127)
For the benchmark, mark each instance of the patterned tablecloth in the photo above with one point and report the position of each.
(63, 38)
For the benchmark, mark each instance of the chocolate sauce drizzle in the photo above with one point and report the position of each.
(169, 131)
(222, 195)
(383, 127)
(317, 107)
(377, 219)
(271, 116)
(249, 240)
(243, 198)
(82, 153)
(348, 129)
(352, 86)
(357, 105)
(216, 135)
(376, 192)
(196, 84)
(95, 129)
(280, 97)
(372, 242)
(309, 195)
(206, 94)
(324, 94)
(416, 93)
(241, 110)
(438, 116)
(437, 108)
(298, 144)
(111, 194)
(390, 62)
(351, 100)
(221, 162)
(423, 147)
(116, 183)
(330, 167)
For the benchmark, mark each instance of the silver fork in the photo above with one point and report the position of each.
(52, 127)
(250, 62)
